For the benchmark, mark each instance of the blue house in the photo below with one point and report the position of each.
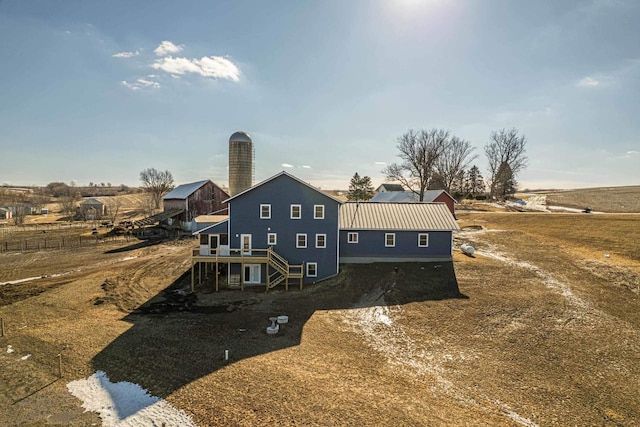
(284, 229)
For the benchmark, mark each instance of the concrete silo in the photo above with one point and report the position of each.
(240, 162)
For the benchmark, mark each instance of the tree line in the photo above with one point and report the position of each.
(435, 159)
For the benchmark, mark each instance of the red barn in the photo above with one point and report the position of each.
(196, 198)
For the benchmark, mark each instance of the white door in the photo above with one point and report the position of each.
(252, 273)
(245, 241)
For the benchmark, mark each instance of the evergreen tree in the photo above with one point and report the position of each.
(360, 188)
(474, 184)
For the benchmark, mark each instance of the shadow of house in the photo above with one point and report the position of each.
(164, 352)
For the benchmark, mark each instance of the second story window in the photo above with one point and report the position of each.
(272, 238)
(265, 211)
(301, 240)
(296, 211)
(318, 211)
(321, 240)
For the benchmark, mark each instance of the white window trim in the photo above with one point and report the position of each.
(350, 235)
(298, 235)
(386, 240)
(275, 239)
(267, 206)
(315, 212)
(315, 265)
(299, 210)
(420, 235)
(325, 240)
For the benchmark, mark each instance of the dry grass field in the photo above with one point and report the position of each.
(538, 328)
(604, 199)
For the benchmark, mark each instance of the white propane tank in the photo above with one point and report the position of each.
(272, 330)
(467, 249)
(283, 319)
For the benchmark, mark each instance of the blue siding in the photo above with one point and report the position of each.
(281, 192)
(371, 246)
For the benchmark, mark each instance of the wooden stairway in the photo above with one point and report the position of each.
(282, 270)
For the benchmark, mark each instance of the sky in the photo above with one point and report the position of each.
(96, 91)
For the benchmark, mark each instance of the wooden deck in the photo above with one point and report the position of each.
(278, 269)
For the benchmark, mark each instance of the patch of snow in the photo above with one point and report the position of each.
(10, 349)
(26, 279)
(128, 258)
(125, 404)
(25, 357)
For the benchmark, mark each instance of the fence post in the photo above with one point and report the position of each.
(1, 327)
(59, 365)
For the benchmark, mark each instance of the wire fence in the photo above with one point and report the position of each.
(44, 243)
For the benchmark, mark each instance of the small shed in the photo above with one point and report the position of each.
(387, 187)
(5, 213)
(430, 196)
(92, 209)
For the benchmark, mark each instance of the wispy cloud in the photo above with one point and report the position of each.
(286, 165)
(141, 83)
(305, 167)
(207, 66)
(380, 163)
(631, 154)
(167, 48)
(127, 54)
(588, 82)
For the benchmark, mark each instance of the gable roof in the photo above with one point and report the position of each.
(91, 201)
(209, 227)
(408, 196)
(390, 187)
(276, 176)
(184, 190)
(396, 216)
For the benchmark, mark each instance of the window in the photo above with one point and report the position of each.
(352, 237)
(265, 211)
(318, 211)
(301, 240)
(423, 240)
(272, 238)
(321, 240)
(312, 269)
(296, 211)
(204, 239)
(390, 240)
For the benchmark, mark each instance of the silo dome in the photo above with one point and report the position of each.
(240, 136)
(240, 162)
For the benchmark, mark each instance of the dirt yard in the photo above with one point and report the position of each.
(540, 327)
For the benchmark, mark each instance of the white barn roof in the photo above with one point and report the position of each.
(396, 216)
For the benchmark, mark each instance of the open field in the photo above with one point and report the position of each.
(604, 199)
(539, 328)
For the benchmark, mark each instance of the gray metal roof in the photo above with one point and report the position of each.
(396, 216)
(406, 196)
(390, 187)
(185, 190)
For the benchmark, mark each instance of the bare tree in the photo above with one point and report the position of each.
(39, 200)
(419, 152)
(19, 207)
(68, 201)
(113, 204)
(453, 161)
(157, 183)
(505, 152)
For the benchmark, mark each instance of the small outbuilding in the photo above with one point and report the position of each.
(92, 209)
(430, 196)
(387, 187)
